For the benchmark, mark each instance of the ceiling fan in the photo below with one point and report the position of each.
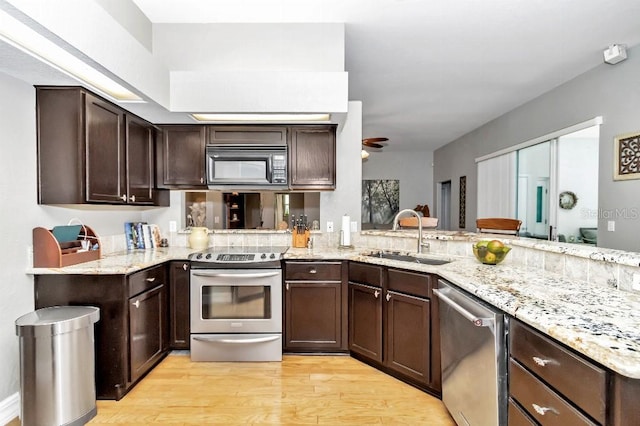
(371, 143)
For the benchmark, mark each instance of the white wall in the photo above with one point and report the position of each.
(20, 213)
(413, 169)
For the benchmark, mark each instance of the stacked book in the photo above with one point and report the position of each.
(141, 235)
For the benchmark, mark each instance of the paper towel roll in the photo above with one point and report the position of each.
(346, 230)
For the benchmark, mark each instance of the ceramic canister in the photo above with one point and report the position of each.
(199, 238)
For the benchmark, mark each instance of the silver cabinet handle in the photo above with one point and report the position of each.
(124, 198)
(541, 362)
(376, 294)
(313, 271)
(201, 180)
(287, 286)
(388, 296)
(132, 198)
(150, 279)
(185, 267)
(136, 303)
(544, 410)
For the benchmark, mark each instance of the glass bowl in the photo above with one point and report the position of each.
(490, 252)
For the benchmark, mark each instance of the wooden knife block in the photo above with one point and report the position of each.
(300, 240)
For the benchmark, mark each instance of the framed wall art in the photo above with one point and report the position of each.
(627, 156)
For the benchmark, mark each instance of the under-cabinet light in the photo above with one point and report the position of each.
(262, 117)
(31, 42)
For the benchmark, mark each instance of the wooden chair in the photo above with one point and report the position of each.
(499, 225)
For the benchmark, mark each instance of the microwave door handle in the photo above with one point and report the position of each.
(269, 169)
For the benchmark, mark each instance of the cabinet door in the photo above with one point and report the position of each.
(312, 157)
(259, 135)
(313, 315)
(407, 335)
(146, 337)
(105, 168)
(182, 159)
(179, 305)
(140, 161)
(365, 321)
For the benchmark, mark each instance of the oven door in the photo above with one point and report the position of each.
(236, 301)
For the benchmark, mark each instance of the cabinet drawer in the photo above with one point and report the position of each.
(144, 280)
(577, 379)
(363, 273)
(410, 282)
(313, 271)
(517, 417)
(540, 401)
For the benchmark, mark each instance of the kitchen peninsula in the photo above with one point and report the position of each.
(566, 292)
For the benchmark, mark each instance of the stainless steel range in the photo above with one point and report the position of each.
(236, 304)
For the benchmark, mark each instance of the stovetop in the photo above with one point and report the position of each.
(237, 255)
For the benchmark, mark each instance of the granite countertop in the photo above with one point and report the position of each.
(599, 322)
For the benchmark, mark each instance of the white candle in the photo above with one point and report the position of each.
(346, 230)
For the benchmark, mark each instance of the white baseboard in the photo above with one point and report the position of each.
(9, 408)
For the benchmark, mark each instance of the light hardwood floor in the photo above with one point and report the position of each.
(329, 390)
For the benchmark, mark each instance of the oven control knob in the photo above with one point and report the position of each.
(264, 256)
(208, 256)
(199, 256)
(273, 256)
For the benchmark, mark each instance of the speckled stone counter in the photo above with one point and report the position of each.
(599, 321)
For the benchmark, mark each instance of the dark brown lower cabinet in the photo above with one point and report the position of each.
(365, 321)
(131, 335)
(315, 311)
(408, 335)
(392, 323)
(179, 325)
(147, 325)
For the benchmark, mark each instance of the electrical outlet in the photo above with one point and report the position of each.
(216, 219)
(173, 226)
(329, 226)
(636, 282)
(611, 226)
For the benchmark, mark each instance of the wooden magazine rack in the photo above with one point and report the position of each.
(49, 253)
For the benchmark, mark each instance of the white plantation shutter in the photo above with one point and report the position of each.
(497, 186)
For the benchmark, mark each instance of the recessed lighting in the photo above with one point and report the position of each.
(31, 42)
(262, 117)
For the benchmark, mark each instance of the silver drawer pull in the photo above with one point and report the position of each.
(136, 303)
(313, 271)
(388, 296)
(150, 279)
(543, 410)
(541, 362)
(376, 294)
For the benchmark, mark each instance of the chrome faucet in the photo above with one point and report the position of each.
(413, 212)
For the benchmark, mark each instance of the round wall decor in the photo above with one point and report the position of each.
(568, 200)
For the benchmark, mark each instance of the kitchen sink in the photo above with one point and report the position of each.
(407, 258)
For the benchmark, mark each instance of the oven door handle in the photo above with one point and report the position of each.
(238, 341)
(200, 273)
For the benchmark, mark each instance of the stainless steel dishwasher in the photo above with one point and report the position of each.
(473, 348)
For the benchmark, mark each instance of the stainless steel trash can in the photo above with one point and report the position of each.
(57, 365)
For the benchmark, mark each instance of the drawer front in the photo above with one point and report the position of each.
(542, 403)
(517, 417)
(577, 379)
(410, 282)
(313, 271)
(144, 280)
(366, 274)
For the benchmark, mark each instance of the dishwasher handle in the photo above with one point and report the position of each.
(475, 320)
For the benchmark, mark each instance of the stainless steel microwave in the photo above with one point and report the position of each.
(247, 167)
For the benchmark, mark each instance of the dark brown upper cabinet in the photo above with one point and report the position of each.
(312, 157)
(259, 135)
(181, 157)
(91, 151)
